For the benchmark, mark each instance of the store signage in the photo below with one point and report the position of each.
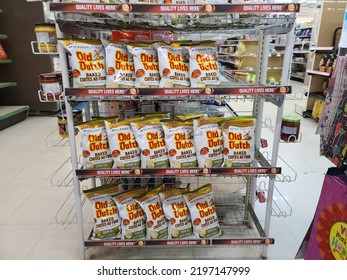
(178, 171)
(167, 8)
(181, 242)
(104, 92)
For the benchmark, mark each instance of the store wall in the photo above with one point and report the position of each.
(17, 21)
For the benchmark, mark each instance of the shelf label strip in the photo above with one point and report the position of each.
(176, 9)
(178, 171)
(181, 242)
(177, 91)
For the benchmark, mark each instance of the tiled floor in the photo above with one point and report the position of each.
(35, 220)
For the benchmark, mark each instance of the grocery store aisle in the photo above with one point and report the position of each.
(34, 215)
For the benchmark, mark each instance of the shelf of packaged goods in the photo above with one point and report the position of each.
(85, 94)
(235, 232)
(317, 95)
(8, 84)
(3, 36)
(5, 61)
(318, 73)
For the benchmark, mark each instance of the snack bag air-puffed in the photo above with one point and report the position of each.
(173, 65)
(203, 65)
(120, 65)
(125, 150)
(156, 225)
(106, 216)
(146, 65)
(180, 144)
(133, 216)
(238, 141)
(95, 147)
(177, 213)
(208, 142)
(203, 212)
(87, 62)
(149, 135)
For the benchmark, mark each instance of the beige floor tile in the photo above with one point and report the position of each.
(20, 188)
(58, 242)
(35, 212)
(18, 240)
(8, 207)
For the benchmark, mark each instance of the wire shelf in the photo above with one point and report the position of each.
(43, 48)
(50, 96)
(53, 139)
(280, 205)
(182, 23)
(291, 139)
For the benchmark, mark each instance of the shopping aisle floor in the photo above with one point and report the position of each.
(34, 218)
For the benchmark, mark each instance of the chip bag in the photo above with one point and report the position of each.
(208, 142)
(180, 144)
(119, 65)
(203, 65)
(238, 141)
(106, 216)
(146, 65)
(87, 62)
(156, 225)
(177, 213)
(125, 150)
(149, 135)
(203, 212)
(95, 146)
(133, 217)
(173, 65)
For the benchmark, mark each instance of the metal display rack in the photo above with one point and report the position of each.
(240, 224)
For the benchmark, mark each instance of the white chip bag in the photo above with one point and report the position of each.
(180, 144)
(203, 212)
(149, 135)
(177, 213)
(87, 62)
(208, 142)
(133, 217)
(106, 216)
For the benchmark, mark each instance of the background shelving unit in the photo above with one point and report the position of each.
(330, 21)
(10, 115)
(301, 52)
(264, 27)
